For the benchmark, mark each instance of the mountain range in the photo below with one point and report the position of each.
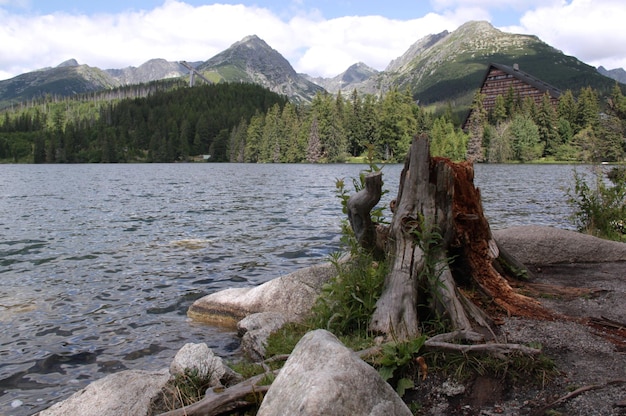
(441, 68)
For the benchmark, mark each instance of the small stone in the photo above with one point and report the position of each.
(450, 388)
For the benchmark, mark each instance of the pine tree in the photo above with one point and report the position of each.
(476, 128)
(499, 112)
(567, 107)
(398, 125)
(237, 142)
(355, 125)
(587, 109)
(253, 138)
(546, 121)
(314, 146)
(525, 144)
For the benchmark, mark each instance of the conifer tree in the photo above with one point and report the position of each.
(476, 129)
(398, 125)
(567, 107)
(587, 109)
(253, 138)
(499, 112)
(546, 121)
(314, 146)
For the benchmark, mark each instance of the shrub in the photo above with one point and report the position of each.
(600, 207)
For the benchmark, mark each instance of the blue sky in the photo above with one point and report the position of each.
(321, 38)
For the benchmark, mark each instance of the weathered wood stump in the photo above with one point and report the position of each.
(443, 257)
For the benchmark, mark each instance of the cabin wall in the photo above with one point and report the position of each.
(498, 82)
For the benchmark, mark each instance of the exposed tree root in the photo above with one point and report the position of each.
(442, 342)
(440, 245)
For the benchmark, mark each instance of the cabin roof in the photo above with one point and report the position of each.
(524, 77)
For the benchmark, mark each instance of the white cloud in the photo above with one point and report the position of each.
(589, 30)
(173, 31)
(331, 46)
(520, 5)
(312, 44)
(178, 31)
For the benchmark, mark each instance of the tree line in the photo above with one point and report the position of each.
(165, 125)
(247, 123)
(577, 129)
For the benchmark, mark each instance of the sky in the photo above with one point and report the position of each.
(319, 38)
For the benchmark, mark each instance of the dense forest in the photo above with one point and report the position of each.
(246, 123)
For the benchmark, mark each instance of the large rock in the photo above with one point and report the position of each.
(254, 331)
(125, 393)
(201, 360)
(291, 295)
(547, 245)
(323, 377)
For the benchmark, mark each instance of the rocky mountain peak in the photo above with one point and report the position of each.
(68, 63)
(618, 74)
(251, 39)
(253, 60)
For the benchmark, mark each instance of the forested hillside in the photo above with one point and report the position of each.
(247, 123)
(165, 126)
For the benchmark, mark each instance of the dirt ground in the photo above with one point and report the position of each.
(588, 348)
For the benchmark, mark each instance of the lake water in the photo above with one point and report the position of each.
(99, 263)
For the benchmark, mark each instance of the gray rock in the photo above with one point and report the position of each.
(452, 388)
(538, 245)
(201, 359)
(323, 377)
(125, 393)
(254, 331)
(292, 295)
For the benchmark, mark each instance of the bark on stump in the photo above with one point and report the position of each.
(439, 230)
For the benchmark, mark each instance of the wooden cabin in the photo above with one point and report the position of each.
(500, 78)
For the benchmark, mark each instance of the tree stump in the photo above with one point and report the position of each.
(442, 254)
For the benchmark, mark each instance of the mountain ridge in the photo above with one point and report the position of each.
(439, 67)
(253, 60)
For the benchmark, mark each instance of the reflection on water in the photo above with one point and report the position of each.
(99, 263)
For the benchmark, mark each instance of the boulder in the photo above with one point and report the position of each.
(128, 392)
(537, 245)
(323, 377)
(292, 295)
(254, 331)
(200, 359)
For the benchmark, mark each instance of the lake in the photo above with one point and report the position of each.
(99, 263)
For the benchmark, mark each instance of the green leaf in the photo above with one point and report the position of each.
(386, 372)
(403, 385)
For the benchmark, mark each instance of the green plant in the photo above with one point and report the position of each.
(396, 356)
(600, 208)
(285, 339)
(247, 369)
(358, 184)
(514, 367)
(428, 238)
(347, 301)
(183, 390)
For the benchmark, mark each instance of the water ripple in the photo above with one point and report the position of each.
(99, 263)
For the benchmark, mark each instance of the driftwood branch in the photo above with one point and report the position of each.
(443, 342)
(359, 207)
(493, 349)
(232, 398)
(575, 393)
(458, 336)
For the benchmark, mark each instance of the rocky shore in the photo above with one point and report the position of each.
(576, 275)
